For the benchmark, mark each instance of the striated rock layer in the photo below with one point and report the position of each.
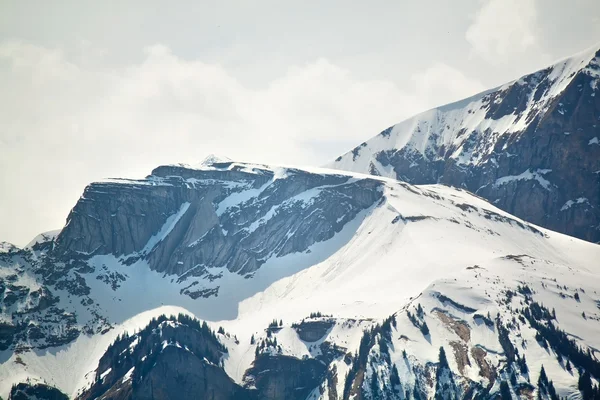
(226, 215)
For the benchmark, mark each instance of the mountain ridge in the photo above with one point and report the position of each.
(540, 128)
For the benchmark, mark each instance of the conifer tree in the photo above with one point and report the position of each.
(424, 329)
(505, 391)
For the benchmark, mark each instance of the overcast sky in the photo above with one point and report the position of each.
(99, 89)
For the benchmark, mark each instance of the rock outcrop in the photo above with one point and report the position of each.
(285, 377)
(227, 215)
(312, 331)
(178, 374)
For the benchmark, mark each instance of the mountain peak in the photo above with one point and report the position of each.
(531, 141)
(213, 159)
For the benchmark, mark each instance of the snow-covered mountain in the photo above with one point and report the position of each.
(531, 147)
(313, 283)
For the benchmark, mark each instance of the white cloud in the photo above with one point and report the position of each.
(67, 119)
(503, 30)
(440, 83)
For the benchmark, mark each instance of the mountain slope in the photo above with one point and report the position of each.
(531, 147)
(261, 243)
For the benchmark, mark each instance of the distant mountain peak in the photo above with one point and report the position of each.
(214, 159)
(498, 142)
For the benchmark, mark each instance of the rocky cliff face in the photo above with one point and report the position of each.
(195, 224)
(312, 331)
(230, 215)
(531, 147)
(284, 377)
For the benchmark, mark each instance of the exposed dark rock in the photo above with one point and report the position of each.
(178, 374)
(69, 334)
(37, 319)
(446, 300)
(284, 377)
(330, 352)
(206, 293)
(7, 332)
(312, 331)
(113, 279)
